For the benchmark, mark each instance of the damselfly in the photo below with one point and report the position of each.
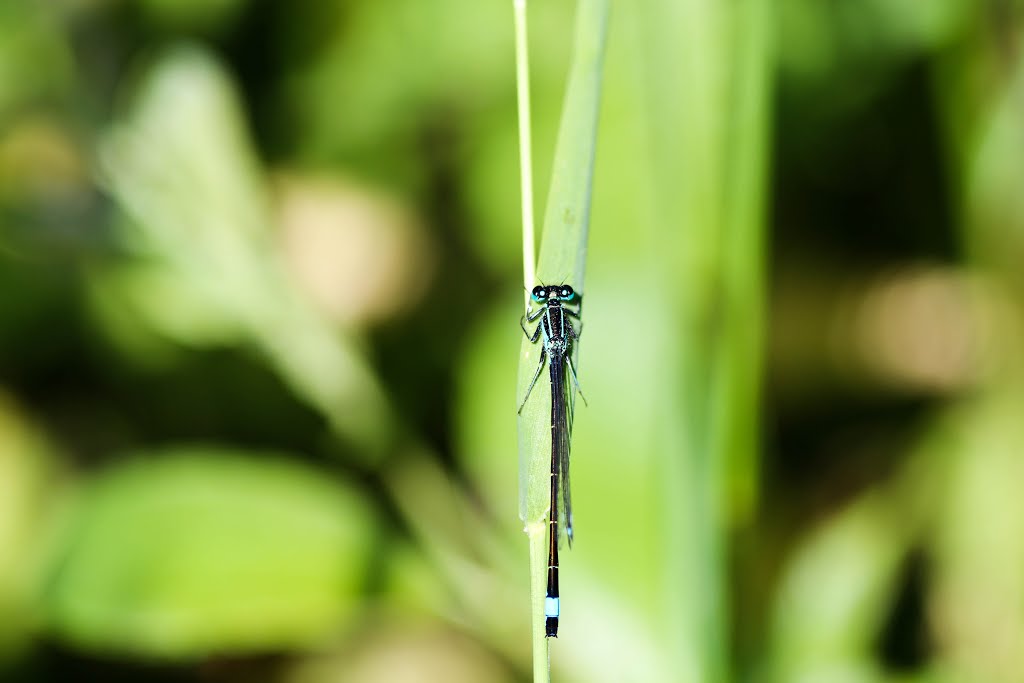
(559, 335)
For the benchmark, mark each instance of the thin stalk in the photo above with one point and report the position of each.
(525, 146)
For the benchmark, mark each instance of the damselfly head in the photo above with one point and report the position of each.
(545, 293)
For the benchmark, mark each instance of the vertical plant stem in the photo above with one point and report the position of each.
(535, 530)
(525, 146)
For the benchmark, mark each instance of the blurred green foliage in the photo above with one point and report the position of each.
(228, 553)
(259, 283)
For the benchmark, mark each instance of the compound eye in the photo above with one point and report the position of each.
(566, 293)
(539, 293)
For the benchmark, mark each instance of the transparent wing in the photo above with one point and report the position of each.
(561, 406)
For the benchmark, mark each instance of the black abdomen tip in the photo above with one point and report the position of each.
(551, 627)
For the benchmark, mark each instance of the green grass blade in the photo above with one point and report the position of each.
(562, 259)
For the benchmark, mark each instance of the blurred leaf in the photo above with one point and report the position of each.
(184, 171)
(29, 495)
(203, 550)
